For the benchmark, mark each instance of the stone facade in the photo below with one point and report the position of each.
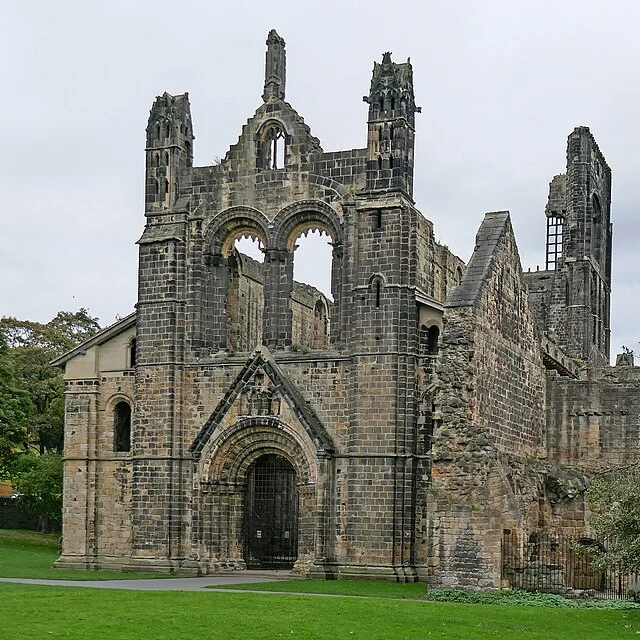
(399, 429)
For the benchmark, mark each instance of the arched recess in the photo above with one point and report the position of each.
(224, 471)
(232, 288)
(290, 309)
(119, 412)
(320, 324)
(272, 141)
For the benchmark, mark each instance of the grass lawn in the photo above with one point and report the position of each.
(28, 554)
(338, 587)
(56, 612)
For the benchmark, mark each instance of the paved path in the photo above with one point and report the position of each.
(165, 584)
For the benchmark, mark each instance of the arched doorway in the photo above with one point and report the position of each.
(271, 514)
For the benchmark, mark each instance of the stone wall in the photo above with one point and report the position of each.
(593, 424)
(488, 405)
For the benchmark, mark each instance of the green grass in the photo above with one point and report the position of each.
(338, 587)
(417, 591)
(56, 612)
(28, 554)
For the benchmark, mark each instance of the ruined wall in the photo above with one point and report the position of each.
(594, 424)
(489, 404)
(438, 270)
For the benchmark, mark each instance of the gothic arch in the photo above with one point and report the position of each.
(306, 215)
(272, 139)
(233, 223)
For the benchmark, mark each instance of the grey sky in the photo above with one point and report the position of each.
(501, 84)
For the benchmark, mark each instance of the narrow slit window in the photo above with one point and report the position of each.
(132, 353)
(377, 291)
(122, 427)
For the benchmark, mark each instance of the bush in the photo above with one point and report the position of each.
(38, 481)
(524, 598)
(634, 592)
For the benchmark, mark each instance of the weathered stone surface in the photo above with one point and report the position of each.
(424, 411)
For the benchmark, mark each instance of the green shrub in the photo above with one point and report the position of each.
(524, 598)
(634, 592)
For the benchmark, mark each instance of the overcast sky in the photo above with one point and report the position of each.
(501, 84)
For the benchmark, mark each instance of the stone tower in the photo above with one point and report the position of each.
(391, 126)
(572, 296)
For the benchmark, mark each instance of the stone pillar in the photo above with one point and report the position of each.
(337, 272)
(278, 285)
(214, 316)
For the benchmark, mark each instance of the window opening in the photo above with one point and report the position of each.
(312, 260)
(432, 340)
(379, 219)
(251, 247)
(132, 353)
(122, 427)
(554, 241)
(380, 163)
(377, 288)
(272, 148)
(166, 187)
(166, 158)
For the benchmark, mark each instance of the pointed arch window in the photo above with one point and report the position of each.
(272, 144)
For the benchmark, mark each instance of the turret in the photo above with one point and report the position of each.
(391, 122)
(169, 149)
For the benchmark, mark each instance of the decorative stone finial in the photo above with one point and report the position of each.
(275, 68)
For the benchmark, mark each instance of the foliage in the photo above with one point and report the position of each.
(634, 592)
(15, 410)
(524, 598)
(38, 481)
(32, 347)
(616, 502)
(72, 613)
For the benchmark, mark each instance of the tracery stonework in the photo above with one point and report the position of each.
(394, 429)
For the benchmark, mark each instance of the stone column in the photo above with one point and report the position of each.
(278, 285)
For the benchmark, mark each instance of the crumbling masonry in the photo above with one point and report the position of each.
(399, 429)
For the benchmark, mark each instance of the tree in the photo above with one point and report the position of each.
(617, 520)
(32, 347)
(15, 411)
(38, 481)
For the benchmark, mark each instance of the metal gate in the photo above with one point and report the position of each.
(271, 514)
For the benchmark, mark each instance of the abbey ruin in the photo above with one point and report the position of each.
(401, 427)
